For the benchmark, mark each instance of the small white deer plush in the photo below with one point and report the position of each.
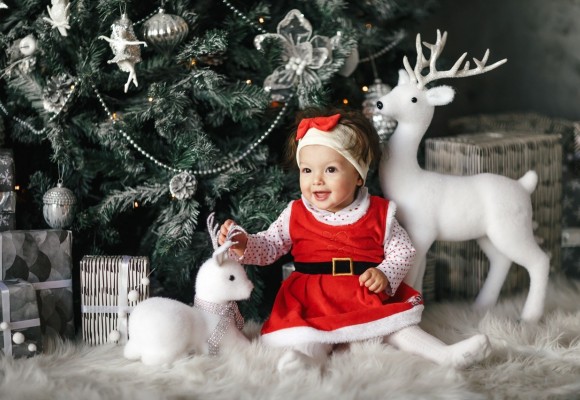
(493, 209)
(163, 330)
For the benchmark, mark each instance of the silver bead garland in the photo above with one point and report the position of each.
(43, 130)
(243, 16)
(201, 172)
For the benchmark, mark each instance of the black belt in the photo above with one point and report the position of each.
(336, 267)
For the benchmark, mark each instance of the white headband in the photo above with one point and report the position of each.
(337, 139)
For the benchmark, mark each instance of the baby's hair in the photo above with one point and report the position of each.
(365, 145)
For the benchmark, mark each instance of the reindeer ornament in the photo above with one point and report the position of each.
(493, 209)
(163, 330)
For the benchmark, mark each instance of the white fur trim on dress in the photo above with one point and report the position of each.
(353, 333)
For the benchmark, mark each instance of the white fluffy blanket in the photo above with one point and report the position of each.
(528, 362)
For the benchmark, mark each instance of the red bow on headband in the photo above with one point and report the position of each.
(322, 123)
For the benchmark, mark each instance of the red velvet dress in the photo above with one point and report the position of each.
(323, 308)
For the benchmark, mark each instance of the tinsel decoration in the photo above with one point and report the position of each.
(384, 126)
(54, 95)
(165, 31)
(59, 205)
(183, 185)
(125, 47)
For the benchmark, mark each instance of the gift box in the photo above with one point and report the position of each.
(569, 131)
(7, 193)
(461, 267)
(19, 321)
(110, 287)
(43, 258)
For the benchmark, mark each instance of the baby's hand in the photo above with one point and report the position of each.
(241, 238)
(374, 279)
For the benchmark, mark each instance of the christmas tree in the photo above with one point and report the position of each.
(154, 114)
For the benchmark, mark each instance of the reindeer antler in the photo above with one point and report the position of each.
(415, 75)
(213, 230)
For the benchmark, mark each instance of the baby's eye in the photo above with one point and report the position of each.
(331, 170)
(305, 170)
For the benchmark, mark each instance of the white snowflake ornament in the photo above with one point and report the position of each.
(59, 15)
(125, 47)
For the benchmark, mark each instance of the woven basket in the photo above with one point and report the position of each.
(461, 267)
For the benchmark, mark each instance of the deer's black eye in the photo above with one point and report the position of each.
(414, 99)
(380, 105)
(232, 278)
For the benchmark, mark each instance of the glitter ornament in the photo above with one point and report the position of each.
(125, 47)
(59, 206)
(183, 185)
(385, 126)
(165, 31)
(55, 94)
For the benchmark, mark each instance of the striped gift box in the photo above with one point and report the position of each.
(110, 287)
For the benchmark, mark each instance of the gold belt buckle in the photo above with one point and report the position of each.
(334, 273)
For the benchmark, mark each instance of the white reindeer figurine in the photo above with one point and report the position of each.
(493, 209)
(163, 330)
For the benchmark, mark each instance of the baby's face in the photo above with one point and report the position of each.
(327, 179)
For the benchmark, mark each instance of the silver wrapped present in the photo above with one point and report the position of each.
(19, 322)
(43, 258)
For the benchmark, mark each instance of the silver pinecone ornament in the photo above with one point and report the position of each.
(165, 31)
(183, 185)
(385, 126)
(59, 205)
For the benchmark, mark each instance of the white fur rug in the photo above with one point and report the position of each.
(528, 362)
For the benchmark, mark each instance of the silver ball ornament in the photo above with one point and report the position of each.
(145, 281)
(3, 326)
(32, 347)
(165, 31)
(59, 204)
(385, 126)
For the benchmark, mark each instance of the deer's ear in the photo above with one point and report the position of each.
(220, 254)
(440, 95)
(403, 77)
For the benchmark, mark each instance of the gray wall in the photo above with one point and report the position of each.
(540, 39)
